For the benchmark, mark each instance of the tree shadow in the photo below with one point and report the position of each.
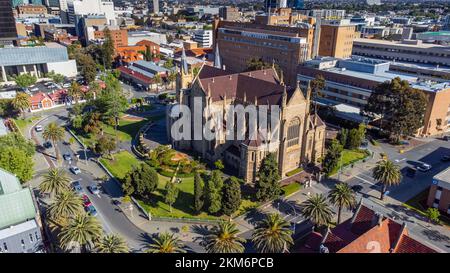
(435, 235)
(254, 216)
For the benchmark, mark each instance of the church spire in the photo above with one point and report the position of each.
(184, 64)
(217, 60)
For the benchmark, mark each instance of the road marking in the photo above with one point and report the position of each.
(364, 180)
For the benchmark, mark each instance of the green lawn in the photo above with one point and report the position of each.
(23, 123)
(123, 163)
(291, 188)
(349, 157)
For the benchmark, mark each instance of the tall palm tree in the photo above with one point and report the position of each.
(21, 102)
(387, 173)
(83, 230)
(272, 235)
(112, 243)
(157, 80)
(75, 91)
(223, 239)
(54, 133)
(317, 210)
(64, 206)
(166, 243)
(55, 181)
(342, 196)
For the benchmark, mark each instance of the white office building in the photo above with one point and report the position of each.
(204, 38)
(91, 7)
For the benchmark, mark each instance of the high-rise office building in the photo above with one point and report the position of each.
(8, 32)
(153, 6)
(336, 38)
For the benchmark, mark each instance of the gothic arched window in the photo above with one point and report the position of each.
(293, 133)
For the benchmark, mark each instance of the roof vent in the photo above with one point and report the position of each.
(212, 79)
(323, 249)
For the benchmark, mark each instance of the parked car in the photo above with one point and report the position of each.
(47, 144)
(75, 170)
(91, 210)
(446, 138)
(86, 201)
(93, 189)
(67, 157)
(445, 158)
(76, 186)
(38, 128)
(423, 167)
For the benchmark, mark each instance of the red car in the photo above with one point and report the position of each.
(86, 201)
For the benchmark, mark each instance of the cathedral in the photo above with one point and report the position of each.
(301, 138)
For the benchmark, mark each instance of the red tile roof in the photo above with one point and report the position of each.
(38, 97)
(410, 245)
(135, 74)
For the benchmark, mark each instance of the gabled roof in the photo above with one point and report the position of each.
(38, 97)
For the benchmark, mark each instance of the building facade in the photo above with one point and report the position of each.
(8, 32)
(20, 230)
(302, 135)
(229, 13)
(240, 42)
(336, 38)
(91, 7)
(439, 194)
(204, 38)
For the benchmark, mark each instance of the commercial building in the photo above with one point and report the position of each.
(229, 13)
(31, 9)
(8, 32)
(204, 38)
(136, 36)
(238, 43)
(153, 6)
(351, 82)
(366, 228)
(20, 230)
(439, 194)
(336, 38)
(141, 74)
(405, 51)
(119, 36)
(37, 61)
(434, 36)
(91, 7)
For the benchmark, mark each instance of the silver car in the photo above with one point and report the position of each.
(75, 170)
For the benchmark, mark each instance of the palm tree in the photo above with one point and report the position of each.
(65, 205)
(83, 230)
(54, 133)
(75, 91)
(387, 173)
(172, 77)
(112, 243)
(166, 243)
(157, 80)
(317, 210)
(272, 235)
(342, 196)
(55, 181)
(21, 102)
(223, 239)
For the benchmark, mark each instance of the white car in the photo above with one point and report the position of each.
(38, 128)
(75, 170)
(424, 167)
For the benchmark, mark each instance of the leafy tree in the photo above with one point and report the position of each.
(16, 161)
(268, 186)
(317, 210)
(87, 67)
(108, 48)
(332, 157)
(169, 63)
(82, 231)
(18, 141)
(25, 80)
(7, 108)
(21, 102)
(143, 179)
(223, 238)
(433, 215)
(77, 121)
(342, 196)
(387, 173)
(54, 133)
(105, 145)
(112, 243)
(75, 91)
(317, 85)
(213, 192)
(343, 136)
(57, 78)
(198, 192)
(258, 64)
(166, 243)
(92, 123)
(272, 234)
(157, 80)
(55, 181)
(172, 77)
(356, 136)
(219, 165)
(65, 205)
(171, 194)
(401, 107)
(231, 196)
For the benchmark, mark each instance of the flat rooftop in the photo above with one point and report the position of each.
(391, 43)
(443, 176)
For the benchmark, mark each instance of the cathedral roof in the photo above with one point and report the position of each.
(260, 85)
